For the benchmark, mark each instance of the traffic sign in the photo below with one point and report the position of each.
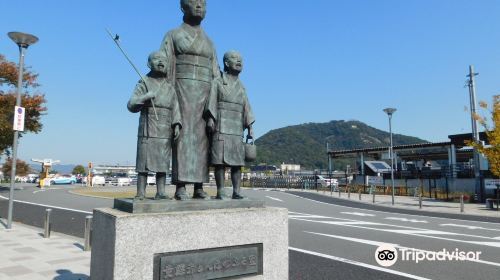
(19, 118)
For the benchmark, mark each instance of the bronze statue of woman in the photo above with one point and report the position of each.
(192, 67)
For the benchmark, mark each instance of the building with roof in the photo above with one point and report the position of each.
(444, 166)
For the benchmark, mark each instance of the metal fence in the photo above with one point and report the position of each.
(428, 188)
(285, 182)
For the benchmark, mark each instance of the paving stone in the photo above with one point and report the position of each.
(26, 255)
(12, 244)
(16, 270)
(67, 260)
(31, 276)
(21, 258)
(25, 250)
(53, 243)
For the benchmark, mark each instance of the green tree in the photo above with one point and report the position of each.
(78, 170)
(33, 102)
(492, 152)
(22, 168)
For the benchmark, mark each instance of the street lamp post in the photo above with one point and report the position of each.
(389, 112)
(23, 41)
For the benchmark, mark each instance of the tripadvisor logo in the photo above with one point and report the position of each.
(387, 255)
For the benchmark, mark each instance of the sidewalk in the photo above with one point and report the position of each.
(25, 254)
(412, 203)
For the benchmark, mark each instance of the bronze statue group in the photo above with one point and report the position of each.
(190, 112)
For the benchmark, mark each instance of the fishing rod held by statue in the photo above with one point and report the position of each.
(116, 39)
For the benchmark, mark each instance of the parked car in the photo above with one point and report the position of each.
(98, 180)
(120, 181)
(133, 179)
(63, 179)
(327, 182)
(107, 180)
(151, 179)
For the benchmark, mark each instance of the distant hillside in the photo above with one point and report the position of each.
(60, 168)
(305, 144)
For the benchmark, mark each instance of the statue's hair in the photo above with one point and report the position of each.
(184, 2)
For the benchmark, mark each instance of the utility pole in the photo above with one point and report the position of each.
(329, 167)
(475, 132)
(329, 162)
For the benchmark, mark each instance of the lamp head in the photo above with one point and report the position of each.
(23, 40)
(389, 111)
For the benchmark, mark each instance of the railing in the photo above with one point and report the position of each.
(284, 182)
(446, 171)
(308, 182)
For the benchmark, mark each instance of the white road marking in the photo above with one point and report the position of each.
(274, 198)
(378, 211)
(491, 244)
(292, 214)
(358, 214)
(406, 220)
(395, 272)
(48, 206)
(42, 190)
(309, 217)
(358, 240)
(377, 243)
(420, 230)
(351, 223)
(468, 227)
(341, 222)
(420, 233)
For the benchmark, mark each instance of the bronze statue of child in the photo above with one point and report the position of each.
(228, 114)
(157, 130)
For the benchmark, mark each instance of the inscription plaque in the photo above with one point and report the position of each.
(215, 263)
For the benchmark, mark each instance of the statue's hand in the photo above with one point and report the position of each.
(210, 125)
(250, 133)
(177, 131)
(149, 95)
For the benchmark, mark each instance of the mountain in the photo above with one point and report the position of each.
(60, 168)
(305, 144)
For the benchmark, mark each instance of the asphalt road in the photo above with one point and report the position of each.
(327, 241)
(354, 203)
(68, 210)
(352, 234)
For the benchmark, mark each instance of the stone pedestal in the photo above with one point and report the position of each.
(208, 244)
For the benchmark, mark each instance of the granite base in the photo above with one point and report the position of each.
(161, 206)
(126, 245)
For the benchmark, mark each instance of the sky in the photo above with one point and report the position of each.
(304, 61)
